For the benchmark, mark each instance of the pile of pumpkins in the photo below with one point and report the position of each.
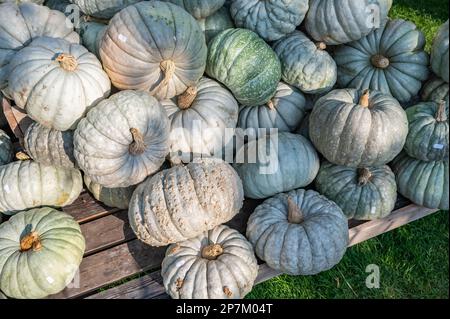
(118, 112)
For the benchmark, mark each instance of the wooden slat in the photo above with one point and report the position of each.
(85, 209)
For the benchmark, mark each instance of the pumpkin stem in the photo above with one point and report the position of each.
(295, 215)
(380, 61)
(271, 105)
(67, 62)
(168, 69)
(364, 99)
(364, 176)
(32, 240)
(321, 46)
(137, 147)
(22, 156)
(441, 115)
(186, 99)
(211, 252)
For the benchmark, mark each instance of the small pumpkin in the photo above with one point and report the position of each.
(123, 139)
(91, 35)
(271, 20)
(112, 197)
(184, 201)
(216, 23)
(154, 46)
(40, 252)
(362, 193)
(6, 149)
(245, 64)
(391, 60)
(101, 8)
(424, 183)
(358, 128)
(436, 90)
(199, 9)
(299, 233)
(218, 264)
(439, 53)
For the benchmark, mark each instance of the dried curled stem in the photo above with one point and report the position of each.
(186, 99)
(380, 61)
(137, 147)
(295, 214)
(441, 114)
(211, 252)
(67, 62)
(31, 241)
(364, 99)
(364, 176)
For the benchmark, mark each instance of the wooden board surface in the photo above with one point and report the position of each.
(17, 119)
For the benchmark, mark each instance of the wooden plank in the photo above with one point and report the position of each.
(17, 119)
(85, 209)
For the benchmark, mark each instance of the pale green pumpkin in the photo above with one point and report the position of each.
(199, 9)
(112, 197)
(91, 35)
(216, 23)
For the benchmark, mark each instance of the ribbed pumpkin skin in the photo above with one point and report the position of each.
(6, 148)
(428, 135)
(436, 90)
(144, 36)
(317, 244)
(271, 19)
(184, 201)
(28, 184)
(199, 9)
(91, 35)
(289, 109)
(295, 164)
(424, 183)
(348, 134)
(103, 139)
(187, 275)
(245, 64)
(36, 274)
(358, 199)
(15, 34)
(112, 197)
(402, 44)
(216, 23)
(105, 9)
(304, 65)
(337, 22)
(439, 53)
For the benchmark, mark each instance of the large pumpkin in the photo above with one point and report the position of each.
(358, 128)
(57, 89)
(218, 264)
(439, 53)
(299, 233)
(275, 164)
(154, 46)
(40, 252)
(112, 197)
(91, 35)
(22, 1)
(200, 9)
(270, 19)
(184, 201)
(362, 193)
(6, 148)
(123, 139)
(28, 184)
(436, 90)
(424, 183)
(245, 64)
(102, 8)
(391, 60)
(216, 23)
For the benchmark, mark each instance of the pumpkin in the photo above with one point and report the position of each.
(245, 64)
(22, 1)
(101, 8)
(91, 35)
(275, 164)
(3, 120)
(184, 201)
(285, 110)
(391, 60)
(428, 132)
(200, 9)
(303, 129)
(28, 184)
(6, 148)
(218, 264)
(358, 128)
(306, 65)
(199, 119)
(299, 233)
(362, 193)
(65, 6)
(439, 53)
(335, 22)
(49, 147)
(154, 46)
(112, 197)
(40, 252)
(435, 90)
(424, 183)
(2, 296)
(270, 19)
(216, 23)
(123, 139)
(69, 82)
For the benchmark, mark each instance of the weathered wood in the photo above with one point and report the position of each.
(85, 209)
(17, 119)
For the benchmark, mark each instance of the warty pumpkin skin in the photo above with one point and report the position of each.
(199, 9)
(123, 139)
(91, 35)
(184, 201)
(436, 90)
(424, 183)
(40, 252)
(299, 233)
(358, 128)
(154, 46)
(245, 64)
(218, 264)
(104, 9)
(28, 184)
(439, 53)
(272, 19)
(216, 23)
(6, 148)
(112, 197)
(391, 60)
(362, 193)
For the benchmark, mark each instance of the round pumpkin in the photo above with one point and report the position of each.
(276, 163)
(154, 46)
(436, 90)
(199, 9)
(299, 233)
(40, 252)
(303, 129)
(22, 1)
(91, 35)
(184, 201)
(218, 264)
(6, 149)
(104, 9)
(59, 87)
(245, 64)
(112, 197)
(424, 183)
(391, 60)
(439, 53)
(335, 22)
(216, 23)
(271, 19)
(362, 193)
(65, 6)
(358, 128)
(123, 139)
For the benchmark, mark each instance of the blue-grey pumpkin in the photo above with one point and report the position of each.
(435, 90)
(439, 53)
